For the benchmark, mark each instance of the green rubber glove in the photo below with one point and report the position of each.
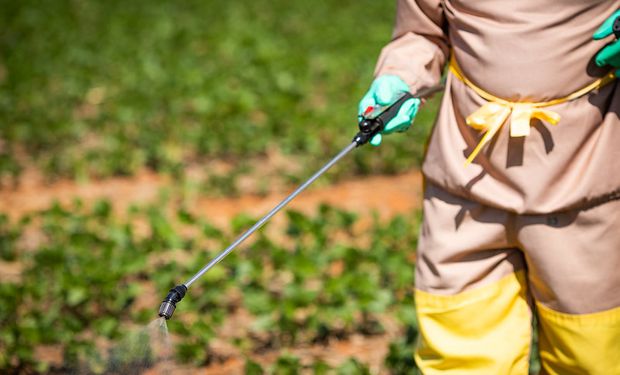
(610, 55)
(385, 90)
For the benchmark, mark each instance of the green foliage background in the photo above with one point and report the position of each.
(102, 88)
(92, 89)
(82, 279)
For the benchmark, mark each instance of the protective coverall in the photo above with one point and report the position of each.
(533, 224)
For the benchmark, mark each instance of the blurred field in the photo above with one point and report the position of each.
(93, 89)
(158, 127)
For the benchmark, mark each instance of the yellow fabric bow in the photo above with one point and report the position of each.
(492, 115)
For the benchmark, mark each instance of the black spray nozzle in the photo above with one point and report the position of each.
(616, 28)
(169, 304)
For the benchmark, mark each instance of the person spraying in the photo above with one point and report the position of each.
(522, 181)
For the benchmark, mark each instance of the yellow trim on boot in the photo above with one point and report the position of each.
(579, 344)
(486, 330)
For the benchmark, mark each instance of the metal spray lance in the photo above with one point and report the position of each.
(372, 121)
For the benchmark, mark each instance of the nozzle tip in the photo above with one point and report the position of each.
(169, 304)
(166, 309)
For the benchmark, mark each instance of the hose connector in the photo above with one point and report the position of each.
(169, 304)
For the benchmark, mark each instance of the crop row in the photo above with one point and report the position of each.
(100, 88)
(85, 274)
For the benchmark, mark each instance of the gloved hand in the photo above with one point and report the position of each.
(610, 55)
(385, 90)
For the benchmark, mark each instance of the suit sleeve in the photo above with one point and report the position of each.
(419, 47)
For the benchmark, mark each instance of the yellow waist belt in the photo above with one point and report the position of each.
(492, 115)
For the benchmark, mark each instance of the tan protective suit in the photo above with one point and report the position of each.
(534, 222)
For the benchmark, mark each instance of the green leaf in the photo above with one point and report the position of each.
(353, 367)
(253, 368)
(287, 364)
(77, 295)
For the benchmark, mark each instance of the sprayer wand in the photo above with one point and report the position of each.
(371, 123)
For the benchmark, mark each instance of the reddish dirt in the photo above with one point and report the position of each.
(387, 195)
(33, 194)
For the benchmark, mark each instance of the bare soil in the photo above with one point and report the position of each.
(387, 195)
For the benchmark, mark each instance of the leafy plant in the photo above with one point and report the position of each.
(399, 360)
(84, 278)
(353, 367)
(95, 89)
